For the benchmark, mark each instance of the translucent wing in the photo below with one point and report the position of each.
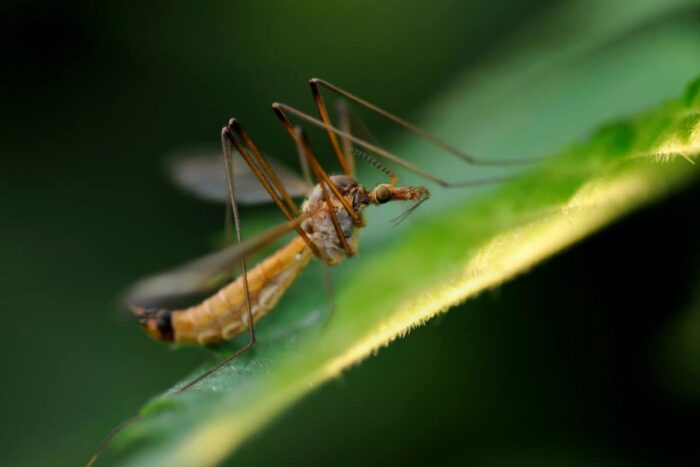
(201, 172)
(201, 275)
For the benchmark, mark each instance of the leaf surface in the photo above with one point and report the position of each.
(462, 242)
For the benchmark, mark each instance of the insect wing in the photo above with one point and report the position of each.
(203, 174)
(201, 275)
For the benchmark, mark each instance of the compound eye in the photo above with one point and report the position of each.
(382, 194)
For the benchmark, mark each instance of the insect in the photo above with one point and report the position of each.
(327, 224)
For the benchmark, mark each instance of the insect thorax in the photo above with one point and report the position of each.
(320, 226)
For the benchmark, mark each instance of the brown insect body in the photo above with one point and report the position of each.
(224, 315)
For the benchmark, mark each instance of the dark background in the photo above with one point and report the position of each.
(575, 363)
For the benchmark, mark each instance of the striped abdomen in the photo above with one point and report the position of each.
(225, 315)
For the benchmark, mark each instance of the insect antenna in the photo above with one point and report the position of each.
(379, 166)
(376, 164)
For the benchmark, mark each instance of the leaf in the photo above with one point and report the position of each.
(467, 242)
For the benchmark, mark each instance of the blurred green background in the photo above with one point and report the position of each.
(591, 359)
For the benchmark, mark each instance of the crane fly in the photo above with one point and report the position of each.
(327, 223)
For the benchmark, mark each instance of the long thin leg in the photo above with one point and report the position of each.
(315, 83)
(281, 109)
(325, 182)
(226, 141)
(323, 112)
(228, 157)
(350, 123)
(315, 166)
(260, 167)
(305, 166)
(346, 144)
(230, 139)
(359, 127)
(109, 437)
(228, 224)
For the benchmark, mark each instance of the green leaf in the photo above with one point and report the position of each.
(462, 242)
